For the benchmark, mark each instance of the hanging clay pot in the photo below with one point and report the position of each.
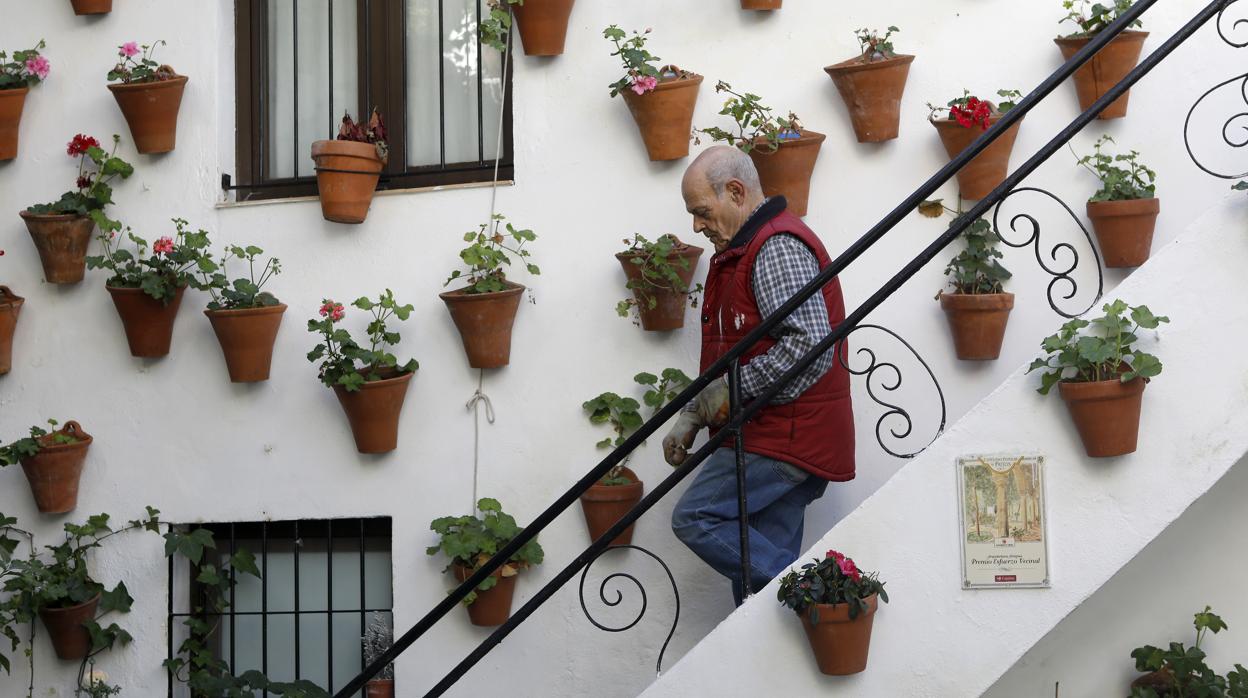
(1106, 69)
(11, 104)
(485, 321)
(1106, 413)
(61, 240)
(373, 412)
(10, 308)
(1124, 230)
(247, 337)
(604, 505)
(543, 25)
(988, 169)
(92, 7)
(668, 312)
(840, 645)
(65, 628)
(147, 321)
(786, 171)
(977, 321)
(346, 177)
(872, 91)
(492, 607)
(379, 688)
(761, 4)
(151, 111)
(55, 470)
(665, 116)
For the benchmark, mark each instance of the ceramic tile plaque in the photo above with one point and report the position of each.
(1001, 507)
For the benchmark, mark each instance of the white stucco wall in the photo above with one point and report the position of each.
(174, 433)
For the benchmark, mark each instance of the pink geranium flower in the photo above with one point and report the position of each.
(163, 245)
(333, 311)
(38, 66)
(644, 83)
(130, 49)
(849, 569)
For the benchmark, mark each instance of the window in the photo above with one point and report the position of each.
(321, 583)
(300, 64)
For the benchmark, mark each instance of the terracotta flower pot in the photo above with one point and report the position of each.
(604, 505)
(10, 308)
(665, 116)
(92, 7)
(761, 4)
(1124, 229)
(11, 104)
(346, 177)
(977, 322)
(1106, 413)
(1106, 69)
(151, 111)
(61, 240)
(840, 644)
(379, 688)
(247, 337)
(543, 25)
(373, 412)
(786, 171)
(988, 169)
(872, 91)
(69, 638)
(55, 470)
(669, 310)
(492, 606)
(485, 321)
(147, 321)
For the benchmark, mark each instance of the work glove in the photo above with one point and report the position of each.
(677, 442)
(712, 403)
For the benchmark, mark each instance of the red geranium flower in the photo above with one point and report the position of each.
(163, 246)
(834, 555)
(84, 182)
(80, 145)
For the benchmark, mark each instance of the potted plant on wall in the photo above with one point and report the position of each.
(92, 7)
(150, 96)
(469, 542)
(378, 638)
(147, 288)
(836, 603)
(659, 275)
(978, 307)
(484, 311)
(1101, 375)
(348, 168)
(1112, 63)
(10, 308)
(62, 229)
(370, 383)
(1124, 210)
(17, 75)
(968, 118)
(244, 316)
(543, 25)
(872, 84)
(52, 462)
(1179, 671)
(620, 489)
(783, 152)
(661, 100)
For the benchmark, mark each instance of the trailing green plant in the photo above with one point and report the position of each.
(1122, 176)
(976, 269)
(1179, 671)
(496, 26)
(373, 132)
(241, 292)
(25, 69)
(660, 264)
(624, 413)
(833, 580)
(93, 683)
(1106, 350)
(94, 188)
(30, 446)
(470, 541)
(970, 111)
(345, 362)
(488, 255)
(135, 64)
(1092, 16)
(874, 47)
(755, 126)
(170, 266)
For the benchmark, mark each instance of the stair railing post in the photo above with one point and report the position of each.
(738, 447)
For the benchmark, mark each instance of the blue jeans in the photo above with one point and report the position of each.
(705, 518)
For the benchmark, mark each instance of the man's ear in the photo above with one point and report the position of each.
(736, 189)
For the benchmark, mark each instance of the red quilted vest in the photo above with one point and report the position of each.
(816, 431)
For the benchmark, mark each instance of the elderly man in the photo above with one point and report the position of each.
(805, 436)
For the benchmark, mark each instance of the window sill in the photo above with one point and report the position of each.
(387, 192)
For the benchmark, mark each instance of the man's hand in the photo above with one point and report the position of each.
(677, 442)
(712, 403)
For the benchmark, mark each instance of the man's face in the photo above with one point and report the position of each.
(718, 217)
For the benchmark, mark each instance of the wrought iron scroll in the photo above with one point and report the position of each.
(1235, 128)
(883, 384)
(619, 597)
(1061, 275)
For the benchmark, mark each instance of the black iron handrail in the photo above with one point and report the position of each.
(741, 415)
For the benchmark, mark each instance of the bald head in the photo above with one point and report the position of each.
(721, 164)
(721, 190)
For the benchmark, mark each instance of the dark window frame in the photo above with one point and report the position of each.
(382, 83)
